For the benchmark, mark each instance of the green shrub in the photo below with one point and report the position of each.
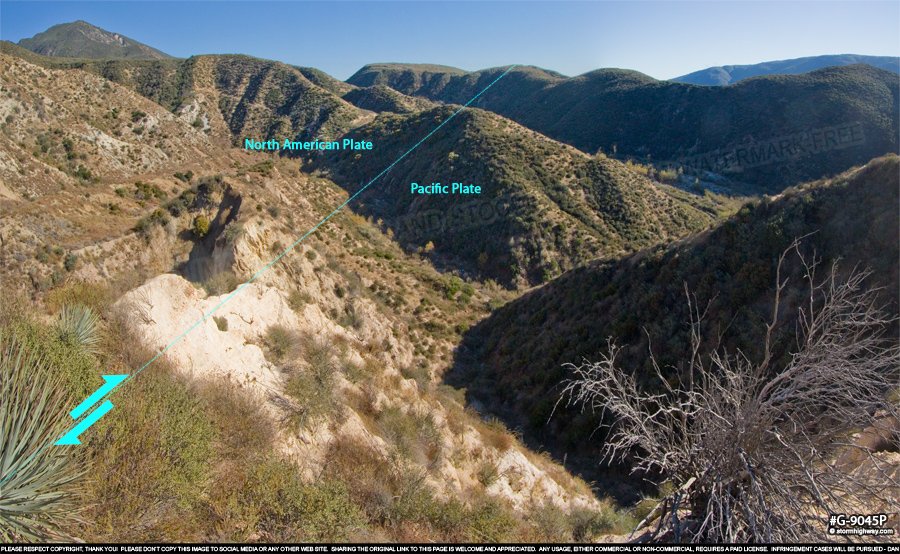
(42, 255)
(200, 226)
(184, 202)
(449, 518)
(290, 510)
(389, 490)
(315, 394)
(84, 174)
(643, 508)
(221, 283)
(466, 293)
(552, 524)
(233, 231)
(221, 322)
(263, 168)
(588, 524)
(70, 262)
(146, 191)
(452, 286)
(418, 373)
(76, 368)
(314, 387)
(157, 217)
(243, 430)
(490, 521)
(161, 433)
(93, 295)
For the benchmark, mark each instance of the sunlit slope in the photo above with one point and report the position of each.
(544, 206)
(309, 405)
(230, 96)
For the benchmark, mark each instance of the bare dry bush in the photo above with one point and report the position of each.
(753, 448)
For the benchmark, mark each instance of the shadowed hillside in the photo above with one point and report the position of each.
(511, 363)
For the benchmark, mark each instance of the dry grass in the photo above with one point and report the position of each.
(495, 434)
(96, 296)
(487, 473)
(242, 423)
(281, 343)
(413, 435)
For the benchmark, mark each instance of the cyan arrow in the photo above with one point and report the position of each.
(71, 437)
(112, 381)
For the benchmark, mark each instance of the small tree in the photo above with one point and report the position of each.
(201, 226)
(757, 451)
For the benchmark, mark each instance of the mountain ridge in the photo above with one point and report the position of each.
(730, 74)
(630, 115)
(80, 39)
(623, 113)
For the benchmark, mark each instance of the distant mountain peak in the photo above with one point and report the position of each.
(80, 39)
(731, 74)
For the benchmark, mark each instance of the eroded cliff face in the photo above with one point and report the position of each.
(231, 339)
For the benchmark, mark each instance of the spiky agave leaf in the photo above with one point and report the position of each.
(80, 326)
(37, 480)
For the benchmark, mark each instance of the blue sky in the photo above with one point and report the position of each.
(662, 39)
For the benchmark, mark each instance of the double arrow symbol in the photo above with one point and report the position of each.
(71, 438)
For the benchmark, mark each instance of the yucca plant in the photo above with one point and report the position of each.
(79, 326)
(37, 480)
